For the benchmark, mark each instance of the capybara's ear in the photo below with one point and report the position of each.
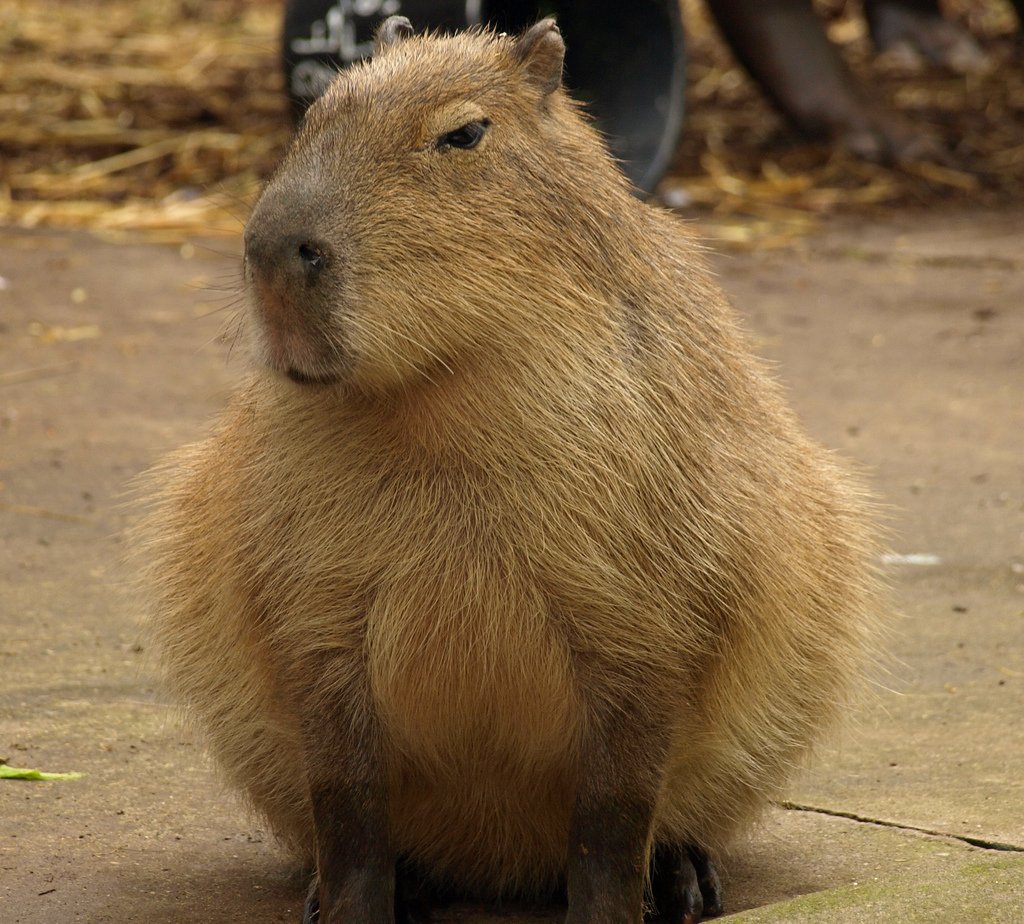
(393, 30)
(540, 52)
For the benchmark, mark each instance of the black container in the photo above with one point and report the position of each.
(625, 60)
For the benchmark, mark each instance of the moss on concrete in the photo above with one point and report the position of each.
(990, 892)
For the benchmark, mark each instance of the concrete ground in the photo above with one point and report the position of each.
(902, 344)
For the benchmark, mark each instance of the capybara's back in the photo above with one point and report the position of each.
(507, 560)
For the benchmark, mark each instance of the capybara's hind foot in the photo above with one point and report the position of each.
(684, 885)
(707, 879)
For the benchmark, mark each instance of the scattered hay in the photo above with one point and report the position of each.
(164, 117)
(128, 115)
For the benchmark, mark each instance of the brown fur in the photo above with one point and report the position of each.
(542, 476)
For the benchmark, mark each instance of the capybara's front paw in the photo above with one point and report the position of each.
(412, 899)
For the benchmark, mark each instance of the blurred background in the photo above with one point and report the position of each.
(163, 117)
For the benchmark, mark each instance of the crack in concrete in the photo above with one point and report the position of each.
(853, 816)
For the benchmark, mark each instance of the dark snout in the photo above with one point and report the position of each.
(282, 246)
(294, 274)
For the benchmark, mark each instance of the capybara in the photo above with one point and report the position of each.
(507, 560)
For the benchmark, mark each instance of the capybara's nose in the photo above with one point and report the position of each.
(296, 258)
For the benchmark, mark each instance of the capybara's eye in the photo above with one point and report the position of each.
(466, 137)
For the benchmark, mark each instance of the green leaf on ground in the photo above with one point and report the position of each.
(17, 773)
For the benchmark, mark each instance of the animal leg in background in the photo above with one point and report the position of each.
(782, 44)
(920, 27)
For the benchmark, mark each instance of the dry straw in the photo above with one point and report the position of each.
(164, 117)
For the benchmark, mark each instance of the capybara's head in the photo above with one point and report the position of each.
(433, 202)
